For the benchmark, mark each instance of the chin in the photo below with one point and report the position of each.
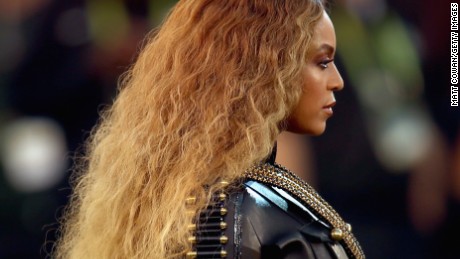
(315, 130)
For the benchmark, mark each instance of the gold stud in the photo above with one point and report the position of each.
(337, 234)
(191, 255)
(192, 239)
(190, 200)
(191, 227)
(223, 253)
(223, 239)
(224, 183)
(348, 227)
(223, 225)
(222, 196)
(223, 211)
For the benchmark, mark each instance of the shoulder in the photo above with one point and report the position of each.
(260, 220)
(268, 222)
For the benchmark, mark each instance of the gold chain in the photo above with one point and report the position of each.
(281, 177)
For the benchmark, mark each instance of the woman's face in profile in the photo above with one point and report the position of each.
(320, 79)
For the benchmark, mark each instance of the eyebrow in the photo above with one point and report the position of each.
(327, 47)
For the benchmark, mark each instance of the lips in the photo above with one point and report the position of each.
(328, 108)
(330, 105)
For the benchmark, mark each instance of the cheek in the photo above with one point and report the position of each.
(313, 81)
(307, 117)
(305, 105)
(304, 117)
(312, 91)
(316, 93)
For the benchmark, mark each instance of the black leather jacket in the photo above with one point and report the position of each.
(270, 223)
(267, 217)
(259, 220)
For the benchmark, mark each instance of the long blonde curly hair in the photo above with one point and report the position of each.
(204, 101)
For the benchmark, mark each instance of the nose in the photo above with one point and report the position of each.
(336, 81)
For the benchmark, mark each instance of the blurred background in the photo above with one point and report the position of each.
(389, 161)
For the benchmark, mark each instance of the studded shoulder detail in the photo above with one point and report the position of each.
(208, 237)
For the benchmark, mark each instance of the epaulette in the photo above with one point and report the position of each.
(208, 237)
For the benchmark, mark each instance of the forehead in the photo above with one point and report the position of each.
(324, 32)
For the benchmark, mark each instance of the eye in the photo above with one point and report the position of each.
(324, 63)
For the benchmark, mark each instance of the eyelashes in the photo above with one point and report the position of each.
(325, 63)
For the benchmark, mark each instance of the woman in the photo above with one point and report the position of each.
(176, 166)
